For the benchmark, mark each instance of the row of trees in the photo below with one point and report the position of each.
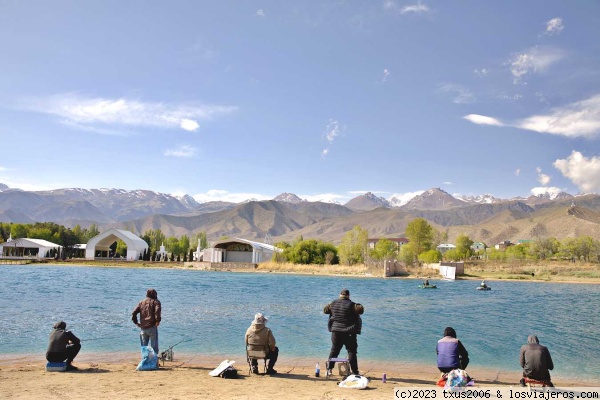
(178, 248)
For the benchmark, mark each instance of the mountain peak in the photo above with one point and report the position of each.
(286, 197)
(434, 199)
(367, 201)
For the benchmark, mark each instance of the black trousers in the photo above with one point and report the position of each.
(68, 355)
(272, 357)
(348, 340)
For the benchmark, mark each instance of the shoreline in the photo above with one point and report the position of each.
(419, 274)
(427, 374)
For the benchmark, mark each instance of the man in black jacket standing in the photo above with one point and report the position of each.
(63, 346)
(344, 324)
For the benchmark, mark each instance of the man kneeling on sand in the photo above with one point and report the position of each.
(63, 346)
(259, 335)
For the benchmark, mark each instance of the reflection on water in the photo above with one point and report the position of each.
(401, 323)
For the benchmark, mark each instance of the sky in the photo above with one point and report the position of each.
(233, 100)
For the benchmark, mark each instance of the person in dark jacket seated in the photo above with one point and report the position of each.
(344, 324)
(536, 361)
(451, 354)
(63, 346)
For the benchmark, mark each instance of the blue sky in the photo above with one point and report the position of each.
(230, 100)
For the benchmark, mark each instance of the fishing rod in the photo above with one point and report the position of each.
(167, 355)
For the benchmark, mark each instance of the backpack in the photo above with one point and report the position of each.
(229, 373)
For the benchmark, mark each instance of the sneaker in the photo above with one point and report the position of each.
(271, 371)
(356, 372)
(255, 369)
(71, 367)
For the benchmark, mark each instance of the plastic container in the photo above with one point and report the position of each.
(317, 370)
(384, 378)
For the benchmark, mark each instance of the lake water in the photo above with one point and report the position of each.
(211, 311)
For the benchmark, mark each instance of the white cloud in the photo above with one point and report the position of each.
(414, 8)
(582, 171)
(2, 169)
(332, 130)
(542, 178)
(260, 13)
(518, 172)
(97, 114)
(406, 197)
(535, 60)
(386, 73)
(554, 27)
(224, 195)
(448, 183)
(461, 94)
(483, 120)
(481, 72)
(325, 197)
(579, 119)
(189, 125)
(536, 191)
(184, 151)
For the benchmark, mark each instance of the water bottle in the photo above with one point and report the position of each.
(384, 378)
(317, 370)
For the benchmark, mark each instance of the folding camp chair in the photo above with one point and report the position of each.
(257, 352)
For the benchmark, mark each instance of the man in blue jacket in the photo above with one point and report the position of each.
(451, 354)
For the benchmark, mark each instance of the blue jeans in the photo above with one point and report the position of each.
(150, 335)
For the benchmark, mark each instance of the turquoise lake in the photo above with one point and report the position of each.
(211, 311)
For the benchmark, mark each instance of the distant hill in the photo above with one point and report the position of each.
(483, 218)
(434, 199)
(367, 201)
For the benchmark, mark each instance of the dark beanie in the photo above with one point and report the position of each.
(60, 325)
(152, 294)
(345, 293)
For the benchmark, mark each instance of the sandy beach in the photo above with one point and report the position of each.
(114, 377)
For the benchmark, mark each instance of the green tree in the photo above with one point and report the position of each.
(201, 236)
(384, 250)
(184, 244)
(353, 247)
(463, 247)
(172, 246)
(420, 236)
(19, 231)
(430, 257)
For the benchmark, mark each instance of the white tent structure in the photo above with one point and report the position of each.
(101, 244)
(26, 247)
(239, 250)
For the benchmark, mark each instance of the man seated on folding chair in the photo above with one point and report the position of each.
(536, 362)
(259, 337)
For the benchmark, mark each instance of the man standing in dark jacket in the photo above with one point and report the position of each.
(536, 361)
(451, 354)
(63, 346)
(344, 324)
(149, 310)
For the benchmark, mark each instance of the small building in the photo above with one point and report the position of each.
(478, 246)
(399, 242)
(239, 251)
(444, 247)
(27, 248)
(503, 245)
(99, 245)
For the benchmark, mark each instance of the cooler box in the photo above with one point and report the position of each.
(56, 366)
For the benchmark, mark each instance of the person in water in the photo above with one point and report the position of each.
(63, 346)
(483, 284)
(536, 361)
(426, 282)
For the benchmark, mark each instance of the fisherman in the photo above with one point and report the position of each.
(536, 361)
(451, 354)
(483, 284)
(63, 346)
(259, 335)
(344, 324)
(426, 283)
(150, 317)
